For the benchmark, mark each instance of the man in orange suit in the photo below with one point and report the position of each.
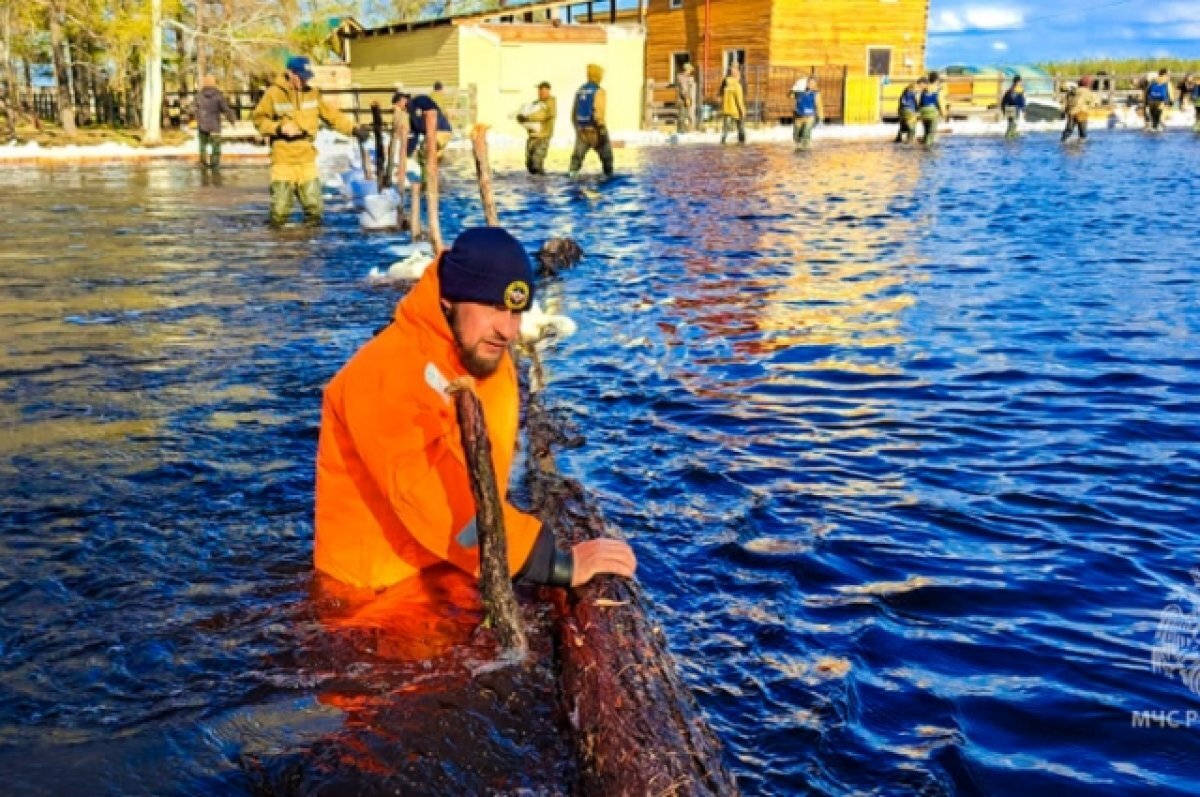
(393, 497)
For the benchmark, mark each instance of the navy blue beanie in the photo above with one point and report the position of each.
(488, 266)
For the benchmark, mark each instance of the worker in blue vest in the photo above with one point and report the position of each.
(906, 111)
(590, 119)
(931, 110)
(1012, 106)
(1158, 96)
(807, 111)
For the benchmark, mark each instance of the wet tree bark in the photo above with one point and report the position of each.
(637, 728)
(382, 177)
(483, 170)
(500, 608)
(58, 42)
(430, 182)
(398, 169)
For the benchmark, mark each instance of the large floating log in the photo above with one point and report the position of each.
(637, 728)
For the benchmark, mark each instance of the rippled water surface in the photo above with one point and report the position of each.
(907, 445)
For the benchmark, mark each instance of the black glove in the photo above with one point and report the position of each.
(362, 133)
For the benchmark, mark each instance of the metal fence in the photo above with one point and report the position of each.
(123, 109)
(767, 90)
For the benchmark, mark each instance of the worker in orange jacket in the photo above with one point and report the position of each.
(393, 497)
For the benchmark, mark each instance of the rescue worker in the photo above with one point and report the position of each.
(930, 108)
(685, 92)
(906, 111)
(733, 104)
(807, 111)
(1012, 106)
(438, 95)
(1158, 97)
(1196, 104)
(590, 115)
(289, 115)
(420, 109)
(538, 118)
(393, 499)
(1076, 105)
(211, 106)
(1185, 89)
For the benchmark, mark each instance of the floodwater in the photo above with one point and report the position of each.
(908, 445)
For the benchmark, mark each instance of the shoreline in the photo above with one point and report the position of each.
(22, 155)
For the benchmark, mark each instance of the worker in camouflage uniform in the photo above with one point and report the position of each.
(538, 119)
(289, 116)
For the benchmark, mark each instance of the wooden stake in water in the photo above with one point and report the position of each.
(382, 178)
(431, 180)
(483, 170)
(500, 610)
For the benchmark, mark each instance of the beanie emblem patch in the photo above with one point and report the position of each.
(516, 295)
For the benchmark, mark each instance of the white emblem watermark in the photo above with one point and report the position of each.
(1176, 654)
(1177, 641)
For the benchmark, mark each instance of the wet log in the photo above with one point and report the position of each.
(637, 729)
(483, 170)
(500, 610)
(382, 176)
(430, 181)
(397, 167)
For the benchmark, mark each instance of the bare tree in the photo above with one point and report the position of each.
(66, 107)
(152, 91)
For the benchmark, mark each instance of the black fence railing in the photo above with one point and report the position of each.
(123, 109)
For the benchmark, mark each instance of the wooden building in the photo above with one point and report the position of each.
(491, 62)
(777, 40)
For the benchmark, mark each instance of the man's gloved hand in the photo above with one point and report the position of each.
(362, 133)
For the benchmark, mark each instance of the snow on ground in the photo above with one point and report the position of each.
(337, 147)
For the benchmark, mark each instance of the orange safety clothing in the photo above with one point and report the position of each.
(393, 496)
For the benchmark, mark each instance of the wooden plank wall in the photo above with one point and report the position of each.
(736, 24)
(840, 31)
(413, 58)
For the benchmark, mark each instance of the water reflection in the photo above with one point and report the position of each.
(909, 466)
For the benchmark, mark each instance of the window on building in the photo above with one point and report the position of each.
(676, 4)
(732, 57)
(879, 61)
(677, 62)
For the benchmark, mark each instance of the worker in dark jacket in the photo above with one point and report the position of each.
(423, 110)
(211, 106)
(590, 117)
(1012, 106)
(906, 111)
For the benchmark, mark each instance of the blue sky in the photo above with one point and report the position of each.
(1002, 32)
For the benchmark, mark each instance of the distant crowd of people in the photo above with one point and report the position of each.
(291, 111)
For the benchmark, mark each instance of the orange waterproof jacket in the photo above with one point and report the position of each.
(392, 491)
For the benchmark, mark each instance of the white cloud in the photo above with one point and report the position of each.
(999, 46)
(1168, 13)
(977, 18)
(947, 22)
